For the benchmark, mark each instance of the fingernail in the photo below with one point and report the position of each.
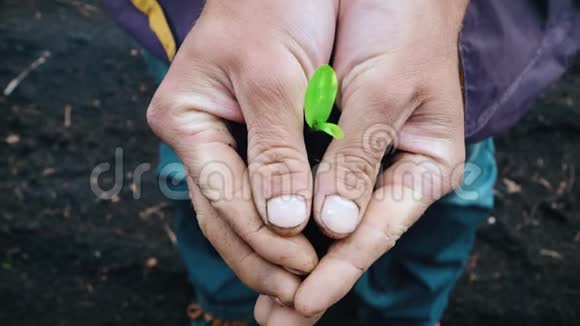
(340, 215)
(287, 211)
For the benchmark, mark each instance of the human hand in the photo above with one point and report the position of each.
(398, 64)
(400, 87)
(248, 62)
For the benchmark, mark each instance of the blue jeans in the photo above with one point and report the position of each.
(409, 285)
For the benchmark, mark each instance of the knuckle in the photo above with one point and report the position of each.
(164, 110)
(244, 262)
(365, 162)
(278, 170)
(422, 175)
(156, 113)
(255, 235)
(351, 259)
(391, 234)
(265, 153)
(356, 169)
(244, 269)
(204, 228)
(204, 215)
(457, 173)
(203, 222)
(451, 168)
(262, 281)
(174, 118)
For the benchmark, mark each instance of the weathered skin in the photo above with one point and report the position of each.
(398, 63)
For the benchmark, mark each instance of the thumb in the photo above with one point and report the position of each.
(270, 95)
(188, 113)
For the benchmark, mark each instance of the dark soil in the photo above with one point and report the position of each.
(69, 258)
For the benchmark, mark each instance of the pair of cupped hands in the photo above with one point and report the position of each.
(250, 62)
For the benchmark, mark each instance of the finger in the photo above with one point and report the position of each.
(431, 139)
(271, 97)
(281, 315)
(409, 186)
(230, 195)
(370, 119)
(281, 177)
(263, 309)
(269, 82)
(268, 312)
(202, 141)
(260, 275)
(376, 95)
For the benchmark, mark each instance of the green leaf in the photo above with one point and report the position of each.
(320, 96)
(331, 129)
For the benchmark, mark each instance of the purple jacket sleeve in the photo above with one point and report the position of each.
(511, 51)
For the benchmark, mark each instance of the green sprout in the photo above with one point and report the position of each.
(320, 97)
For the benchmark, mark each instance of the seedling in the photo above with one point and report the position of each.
(320, 97)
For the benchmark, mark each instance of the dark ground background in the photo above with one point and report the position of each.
(68, 258)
